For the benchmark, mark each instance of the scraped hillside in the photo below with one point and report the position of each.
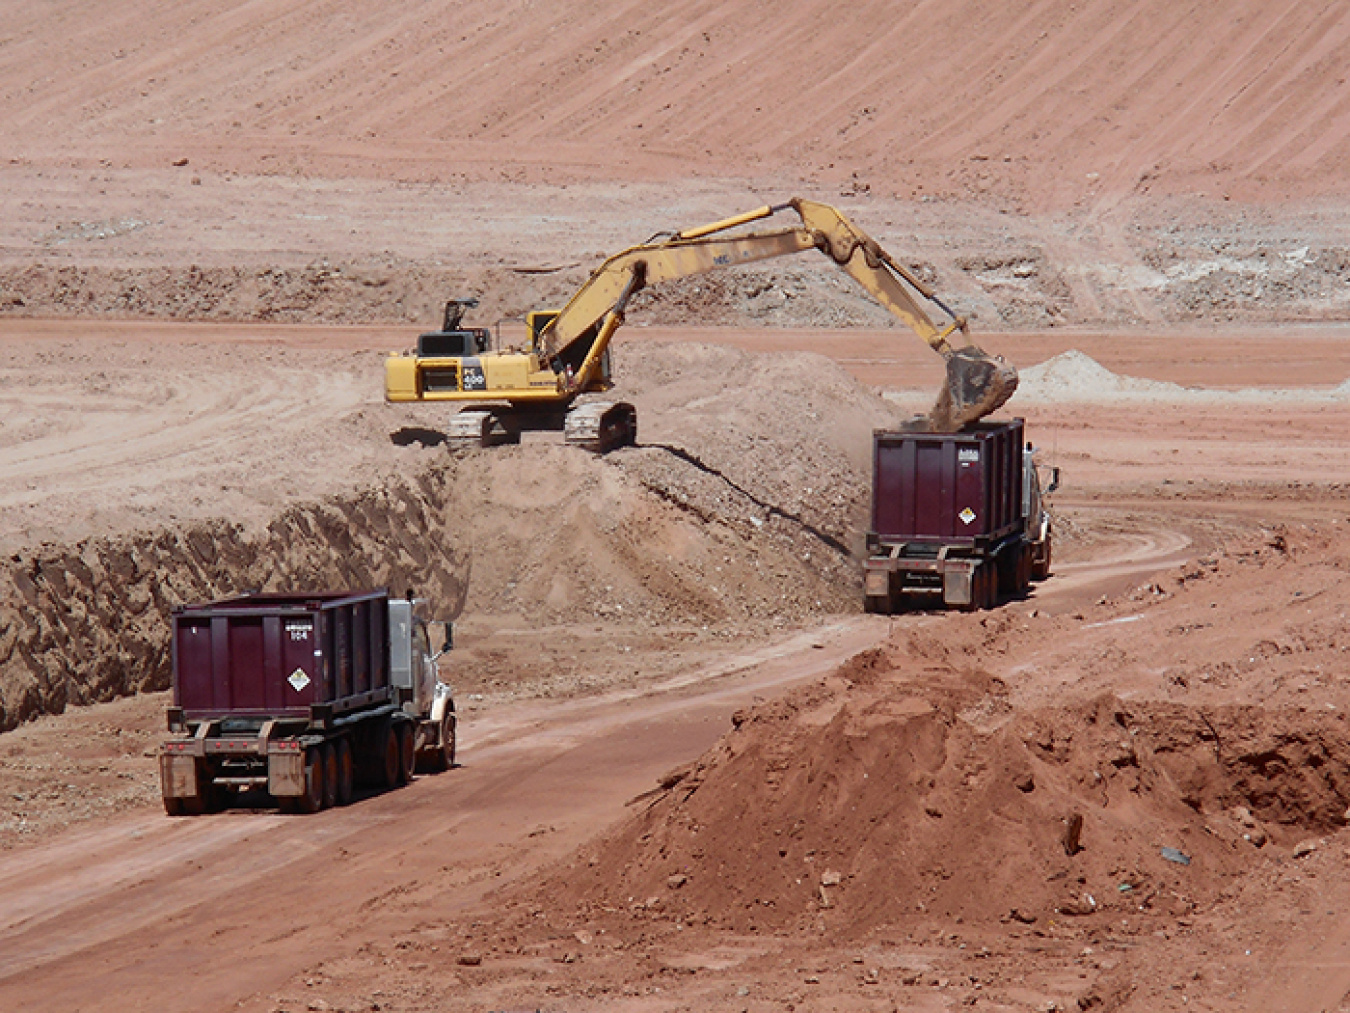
(742, 508)
(1045, 102)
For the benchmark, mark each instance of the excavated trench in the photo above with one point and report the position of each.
(544, 530)
(90, 621)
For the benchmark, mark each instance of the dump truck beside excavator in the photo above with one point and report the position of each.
(958, 519)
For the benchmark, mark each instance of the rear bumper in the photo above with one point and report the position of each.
(888, 576)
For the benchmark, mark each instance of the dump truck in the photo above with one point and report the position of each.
(304, 697)
(957, 518)
(548, 384)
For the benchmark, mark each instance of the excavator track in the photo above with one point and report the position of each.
(480, 428)
(601, 426)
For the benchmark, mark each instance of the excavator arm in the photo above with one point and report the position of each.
(977, 383)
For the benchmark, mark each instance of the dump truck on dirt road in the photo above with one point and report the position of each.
(302, 696)
(502, 393)
(958, 518)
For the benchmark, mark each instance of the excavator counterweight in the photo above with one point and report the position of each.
(504, 392)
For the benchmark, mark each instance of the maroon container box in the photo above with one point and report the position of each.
(281, 656)
(951, 488)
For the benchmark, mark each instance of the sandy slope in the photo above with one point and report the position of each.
(1044, 102)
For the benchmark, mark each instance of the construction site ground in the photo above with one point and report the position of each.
(693, 774)
(1179, 682)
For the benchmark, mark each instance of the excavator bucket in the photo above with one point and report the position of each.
(977, 385)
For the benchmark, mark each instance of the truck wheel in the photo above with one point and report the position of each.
(407, 751)
(445, 752)
(346, 772)
(1023, 569)
(312, 799)
(449, 738)
(1040, 570)
(879, 604)
(388, 748)
(983, 587)
(330, 775)
(977, 579)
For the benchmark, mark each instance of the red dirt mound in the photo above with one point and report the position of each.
(896, 794)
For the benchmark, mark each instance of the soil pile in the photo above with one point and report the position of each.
(1073, 376)
(783, 440)
(890, 796)
(1088, 806)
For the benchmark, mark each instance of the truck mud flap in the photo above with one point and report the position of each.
(877, 583)
(286, 774)
(178, 776)
(957, 585)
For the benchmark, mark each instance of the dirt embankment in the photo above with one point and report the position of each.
(741, 510)
(1151, 262)
(1039, 105)
(90, 621)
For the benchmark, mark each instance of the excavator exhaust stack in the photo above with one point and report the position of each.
(978, 384)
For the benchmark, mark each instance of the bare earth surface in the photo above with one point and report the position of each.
(693, 775)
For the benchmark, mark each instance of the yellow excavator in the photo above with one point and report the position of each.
(505, 392)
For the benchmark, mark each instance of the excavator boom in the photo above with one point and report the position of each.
(977, 384)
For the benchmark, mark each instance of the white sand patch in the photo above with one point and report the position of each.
(1074, 376)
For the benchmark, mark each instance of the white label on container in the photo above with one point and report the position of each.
(298, 679)
(967, 515)
(968, 455)
(299, 629)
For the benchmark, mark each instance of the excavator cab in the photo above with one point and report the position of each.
(452, 340)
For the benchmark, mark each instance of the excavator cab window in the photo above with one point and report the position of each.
(537, 320)
(454, 344)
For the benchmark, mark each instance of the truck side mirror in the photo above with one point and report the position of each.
(1054, 481)
(449, 637)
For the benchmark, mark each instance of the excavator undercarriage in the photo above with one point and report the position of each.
(503, 393)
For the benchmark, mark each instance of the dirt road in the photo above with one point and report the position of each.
(106, 915)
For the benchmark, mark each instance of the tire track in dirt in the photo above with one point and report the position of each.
(82, 913)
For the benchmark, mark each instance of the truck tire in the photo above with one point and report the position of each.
(312, 799)
(983, 587)
(440, 755)
(1041, 569)
(328, 756)
(444, 756)
(449, 739)
(389, 755)
(407, 751)
(879, 604)
(1009, 569)
(346, 772)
